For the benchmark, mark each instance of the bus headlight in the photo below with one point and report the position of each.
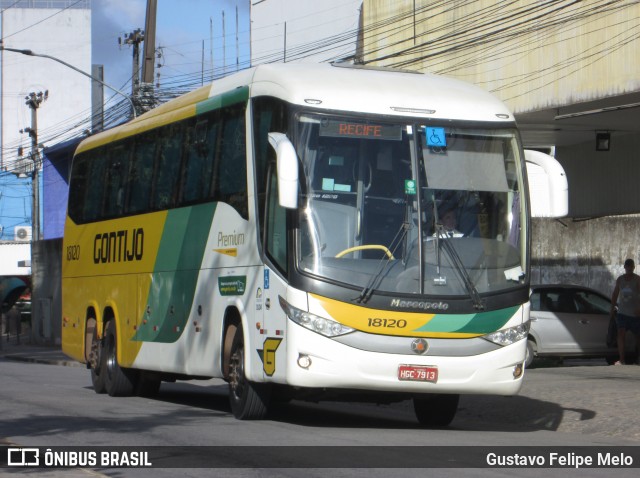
(509, 336)
(320, 325)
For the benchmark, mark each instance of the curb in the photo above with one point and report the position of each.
(21, 357)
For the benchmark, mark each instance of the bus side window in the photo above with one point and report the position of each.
(141, 176)
(200, 150)
(276, 225)
(167, 166)
(95, 187)
(230, 180)
(78, 187)
(268, 116)
(116, 174)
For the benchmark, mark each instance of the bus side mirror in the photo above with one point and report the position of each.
(548, 187)
(287, 169)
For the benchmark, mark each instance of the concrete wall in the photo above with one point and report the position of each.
(46, 297)
(585, 252)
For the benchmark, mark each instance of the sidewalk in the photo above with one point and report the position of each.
(26, 351)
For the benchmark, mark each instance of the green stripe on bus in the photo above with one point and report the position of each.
(481, 323)
(239, 95)
(175, 276)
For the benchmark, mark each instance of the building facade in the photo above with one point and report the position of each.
(58, 28)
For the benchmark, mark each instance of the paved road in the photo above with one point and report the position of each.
(582, 398)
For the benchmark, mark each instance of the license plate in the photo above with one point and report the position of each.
(418, 373)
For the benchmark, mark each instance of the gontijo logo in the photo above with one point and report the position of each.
(118, 246)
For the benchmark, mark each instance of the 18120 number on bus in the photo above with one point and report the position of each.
(387, 323)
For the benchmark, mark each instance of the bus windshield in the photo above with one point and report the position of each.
(410, 208)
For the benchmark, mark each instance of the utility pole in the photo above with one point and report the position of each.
(134, 38)
(33, 101)
(149, 42)
(147, 96)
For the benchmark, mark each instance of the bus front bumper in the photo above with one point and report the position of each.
(318, 362)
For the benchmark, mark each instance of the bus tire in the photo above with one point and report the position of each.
(248, 400)
(436, 410)
(119, 382)
(97, 380)
(96, 360)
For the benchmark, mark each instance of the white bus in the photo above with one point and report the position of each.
(304, 231)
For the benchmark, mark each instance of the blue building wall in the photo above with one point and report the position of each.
(55, 173)
(16, 195)
(15, 204)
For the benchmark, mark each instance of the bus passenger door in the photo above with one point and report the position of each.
(276, 251)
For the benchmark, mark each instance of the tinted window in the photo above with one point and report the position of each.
(554, 300)
(141, 178)
(201, 150)
(78, 187)
(94, 197)
(276, 227)
(195, 160)
(268, 117)
(231, 172)
(168, 167)
(117, 172)
(590, 303)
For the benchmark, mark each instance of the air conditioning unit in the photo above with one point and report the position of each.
(22, 233)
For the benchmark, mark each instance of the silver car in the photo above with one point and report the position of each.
(570, 321)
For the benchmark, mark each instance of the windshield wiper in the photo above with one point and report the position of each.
(375, 280)
(442, 239)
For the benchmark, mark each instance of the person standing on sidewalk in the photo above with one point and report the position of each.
(626, 295)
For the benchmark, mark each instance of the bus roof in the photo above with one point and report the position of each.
(336, 88)
(377, 91)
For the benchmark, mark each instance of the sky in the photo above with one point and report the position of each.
(183, 35)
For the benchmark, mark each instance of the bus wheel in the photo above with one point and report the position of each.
(118, 382)
(436, 410)
(95, 359)
(249, 401)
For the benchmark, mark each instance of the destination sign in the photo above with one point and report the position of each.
(347, 129)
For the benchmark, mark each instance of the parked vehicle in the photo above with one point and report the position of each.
(570, 321)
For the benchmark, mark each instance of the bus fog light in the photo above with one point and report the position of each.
(304, 361)
(517, 371)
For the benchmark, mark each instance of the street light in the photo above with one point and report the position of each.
(41, 55)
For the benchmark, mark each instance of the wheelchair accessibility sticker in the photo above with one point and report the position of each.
(436, 137)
